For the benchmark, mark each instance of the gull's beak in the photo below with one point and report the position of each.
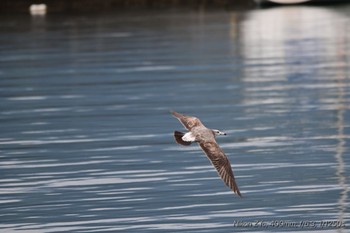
(222, 133)
(218, 132)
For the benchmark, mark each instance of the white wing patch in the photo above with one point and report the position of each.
(189, 137)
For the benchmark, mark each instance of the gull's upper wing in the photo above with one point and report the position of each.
(188, 121)
(220, 161)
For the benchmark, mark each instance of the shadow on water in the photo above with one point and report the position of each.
(86, 135)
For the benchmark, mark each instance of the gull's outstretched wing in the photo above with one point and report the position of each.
(221, 163)
(188, 121)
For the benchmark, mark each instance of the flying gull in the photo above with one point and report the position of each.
(206, 139)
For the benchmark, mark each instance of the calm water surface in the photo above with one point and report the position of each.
(86, 136)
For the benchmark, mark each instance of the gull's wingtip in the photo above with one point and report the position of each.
(175, 114)
(235, 189)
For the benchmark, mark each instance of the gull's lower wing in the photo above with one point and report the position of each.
(221, 163)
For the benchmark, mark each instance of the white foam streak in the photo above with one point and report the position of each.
(101, 181)
(145, 69)
(27, 98)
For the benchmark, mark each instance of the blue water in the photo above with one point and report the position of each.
(86, 139)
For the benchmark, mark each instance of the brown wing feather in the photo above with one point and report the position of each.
(221, 163)
(187, 121)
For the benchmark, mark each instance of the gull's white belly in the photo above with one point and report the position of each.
(189, 137)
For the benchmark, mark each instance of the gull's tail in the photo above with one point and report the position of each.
(178, 138)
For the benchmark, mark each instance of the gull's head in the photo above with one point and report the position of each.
(218, 132)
